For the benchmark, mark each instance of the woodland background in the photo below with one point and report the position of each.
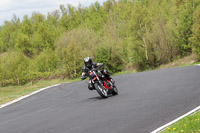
(123, 34)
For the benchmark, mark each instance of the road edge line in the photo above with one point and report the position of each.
(172, 122)
(26, 96)
(181, 117)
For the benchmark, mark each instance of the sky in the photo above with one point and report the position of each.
(26, 7)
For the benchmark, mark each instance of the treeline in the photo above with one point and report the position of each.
(121, 34)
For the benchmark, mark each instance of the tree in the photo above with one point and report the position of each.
(8, 34)
(109, 50)
(23, 44)
(47, 61)
(14, 68)
(195, 39)
(54, 17)
(72, 47)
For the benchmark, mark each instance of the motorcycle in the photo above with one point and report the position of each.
(101, 84)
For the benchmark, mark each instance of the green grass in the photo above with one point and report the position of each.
(196, 63)
(123, 72)
(189, 124)
(12, 92)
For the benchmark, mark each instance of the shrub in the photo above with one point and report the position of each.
(14, 68)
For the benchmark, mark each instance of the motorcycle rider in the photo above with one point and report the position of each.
(89, 65)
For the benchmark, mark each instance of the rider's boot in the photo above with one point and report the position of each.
(90, 86)
(105, 72)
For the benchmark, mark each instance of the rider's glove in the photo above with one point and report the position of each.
(83, 77)
(99, 64)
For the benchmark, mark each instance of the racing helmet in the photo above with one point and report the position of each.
(88, 62)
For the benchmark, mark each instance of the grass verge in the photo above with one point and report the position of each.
(185, 61)
(13, 92)
(124, 72)
(189, 124)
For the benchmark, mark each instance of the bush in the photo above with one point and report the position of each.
(72, 47)
(14, 68)
(109, 51)
(47, 61)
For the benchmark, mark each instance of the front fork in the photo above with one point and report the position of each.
(97, 77)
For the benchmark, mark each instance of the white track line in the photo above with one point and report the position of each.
(23, 97)
(170, 123)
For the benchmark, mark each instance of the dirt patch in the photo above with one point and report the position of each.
(187, 60)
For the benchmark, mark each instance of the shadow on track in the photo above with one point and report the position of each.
(96, 98)
(99, 98)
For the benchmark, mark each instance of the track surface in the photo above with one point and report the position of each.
(146, 101)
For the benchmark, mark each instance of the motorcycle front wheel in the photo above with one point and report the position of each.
(115, 91)
(100, 89)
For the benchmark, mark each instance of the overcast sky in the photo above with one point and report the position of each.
(25, 7)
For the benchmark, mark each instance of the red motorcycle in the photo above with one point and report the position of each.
(101, 84)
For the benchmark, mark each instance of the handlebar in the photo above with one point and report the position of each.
(94, 69)
(97, 67)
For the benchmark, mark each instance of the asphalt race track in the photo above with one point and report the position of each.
(146, 101)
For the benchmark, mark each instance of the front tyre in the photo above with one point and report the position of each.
(115, 90)
(100, 89)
